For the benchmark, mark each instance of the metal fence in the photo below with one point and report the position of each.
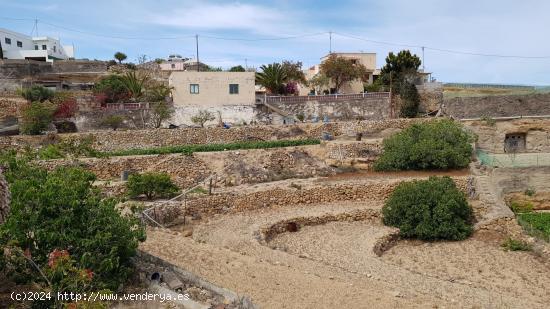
(326, 98)
(513, 159)
(127, 106)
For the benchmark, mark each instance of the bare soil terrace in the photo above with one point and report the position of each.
(330, 261)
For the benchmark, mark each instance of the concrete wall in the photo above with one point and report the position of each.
(213, 88)
(234, 114)
(498, 106)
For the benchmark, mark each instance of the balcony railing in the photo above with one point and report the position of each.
(326, 98)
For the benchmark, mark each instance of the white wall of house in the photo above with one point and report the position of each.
(19, 46)
(230, 93)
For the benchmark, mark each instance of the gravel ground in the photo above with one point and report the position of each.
(332, 265)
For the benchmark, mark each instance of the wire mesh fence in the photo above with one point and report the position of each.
(513, 159)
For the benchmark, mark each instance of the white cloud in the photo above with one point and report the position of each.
(227, 16)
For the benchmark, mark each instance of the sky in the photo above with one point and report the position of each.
(253, 33)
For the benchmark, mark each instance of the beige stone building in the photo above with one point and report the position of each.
(229, 95)
(356, 86)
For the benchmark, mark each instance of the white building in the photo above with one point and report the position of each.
(20, 46)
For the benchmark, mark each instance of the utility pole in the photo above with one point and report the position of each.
(330, 42)
(197, 43)
(245, 64)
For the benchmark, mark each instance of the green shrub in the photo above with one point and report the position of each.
(112, 89)
(429, 209)
(62, 210)
(37, 94)
(516, 245)
(36, 117)
(441, 144)
(530, 192)
(152, 185)
(112, 121)
(518, 207)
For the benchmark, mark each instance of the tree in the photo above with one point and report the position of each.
(202, 117)
(62, 210)
(440, 144)
(120, 57)
(111, 89)
(113, 121)
(135, 84)
(410, 100)
(429, 209)
(238, 68)
(294, 71)
(318, 82)
(400, 68)
(341, 70)
(272, 77)
(159, 113)
(152, 185)
(36, 117)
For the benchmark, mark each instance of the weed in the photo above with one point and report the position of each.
(518, 207)
(511, 244)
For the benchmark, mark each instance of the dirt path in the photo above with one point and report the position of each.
(332, 265)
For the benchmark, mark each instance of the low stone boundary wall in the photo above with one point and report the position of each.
(237, 202)
(140, 139)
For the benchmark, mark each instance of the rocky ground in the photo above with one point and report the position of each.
(331, 264)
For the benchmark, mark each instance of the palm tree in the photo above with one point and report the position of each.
(272, 77)
(4, 198)
(135, 84)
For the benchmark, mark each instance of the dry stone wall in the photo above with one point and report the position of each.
(498, 106)
(140, 139)
(246, 201)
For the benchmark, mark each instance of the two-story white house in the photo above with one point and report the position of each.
(20, 46)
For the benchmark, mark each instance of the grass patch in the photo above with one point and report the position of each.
(511, 244)
(190, 149)
(521, 207)
(536, 224)
(198, 190)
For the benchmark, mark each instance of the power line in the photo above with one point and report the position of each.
(443, 50)
(264, 39)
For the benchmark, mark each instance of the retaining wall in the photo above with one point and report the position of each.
(498, 106)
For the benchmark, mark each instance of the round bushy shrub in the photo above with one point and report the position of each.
(441, 144)
(152, 185)
(429, 210)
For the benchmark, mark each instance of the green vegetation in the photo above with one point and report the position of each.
(73, 148)
(536, 224)
(281, 78)
(189, 149)
(429, 209)
(202, 117)
(491, 122)
(120, 57)
(521, 207)
(440, 144)
(152, 185)
(36, 117)
(54, 211)
(135, 84)
(530, 192)
(37, 93)
(341, 70)
(111, 89)
(400, 73)
(238, 68)
(112, 121)
(516, 245)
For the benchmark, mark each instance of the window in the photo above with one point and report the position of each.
(8, 41)
(173, 66)
(44, 47)
(233, 88)
(194, 88)
(35, 47)
(19, 44)
(54, 49)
